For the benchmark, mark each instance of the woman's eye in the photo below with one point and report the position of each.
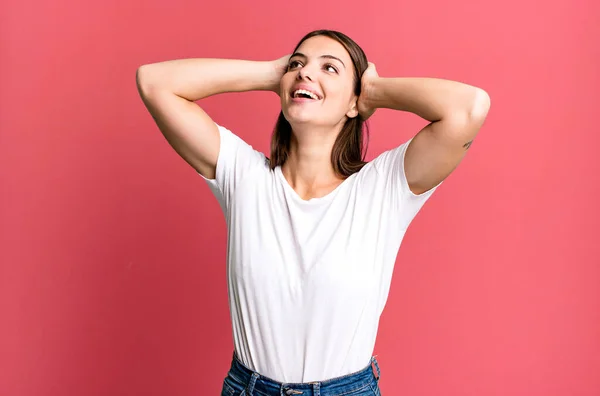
(329, 66)
(293, 63)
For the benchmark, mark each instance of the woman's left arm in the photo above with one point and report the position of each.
(456, 112)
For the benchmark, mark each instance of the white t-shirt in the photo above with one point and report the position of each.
(308, 280)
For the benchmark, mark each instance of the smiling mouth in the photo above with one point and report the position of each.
(302, 99)
(304, 94)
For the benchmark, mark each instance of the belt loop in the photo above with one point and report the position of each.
(374, 360)
(250, 387)
(316, 388)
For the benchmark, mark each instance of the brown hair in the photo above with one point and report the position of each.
(349, 149)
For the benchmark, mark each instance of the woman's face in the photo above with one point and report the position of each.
(322, 66)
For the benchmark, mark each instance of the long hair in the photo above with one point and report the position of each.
(350, 147)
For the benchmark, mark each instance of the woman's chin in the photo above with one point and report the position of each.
(299, 118)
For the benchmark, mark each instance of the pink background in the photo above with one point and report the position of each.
(112, 249)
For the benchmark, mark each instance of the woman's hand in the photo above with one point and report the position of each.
(365, 107)
(279, 67)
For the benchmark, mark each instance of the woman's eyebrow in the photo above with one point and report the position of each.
(322, 56)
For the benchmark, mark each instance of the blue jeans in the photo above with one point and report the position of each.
(242, 381)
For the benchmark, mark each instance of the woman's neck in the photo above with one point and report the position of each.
(308, 168)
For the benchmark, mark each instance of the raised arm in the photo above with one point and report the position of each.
(456, 112)
(169, 90)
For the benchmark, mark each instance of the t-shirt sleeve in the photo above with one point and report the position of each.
(235, 162)
(389, 167)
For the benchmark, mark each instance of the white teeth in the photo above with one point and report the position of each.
(303, 91)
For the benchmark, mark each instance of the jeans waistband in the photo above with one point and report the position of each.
(265, 385)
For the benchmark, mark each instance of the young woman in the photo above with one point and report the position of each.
(313, 230)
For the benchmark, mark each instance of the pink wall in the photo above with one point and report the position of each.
(112, 272)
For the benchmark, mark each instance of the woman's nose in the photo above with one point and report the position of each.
(303, 73)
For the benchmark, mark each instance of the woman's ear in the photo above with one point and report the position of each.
(353, 112)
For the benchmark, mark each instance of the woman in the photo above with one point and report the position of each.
(313, 231)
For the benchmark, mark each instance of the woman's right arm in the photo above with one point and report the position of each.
(169, 90)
